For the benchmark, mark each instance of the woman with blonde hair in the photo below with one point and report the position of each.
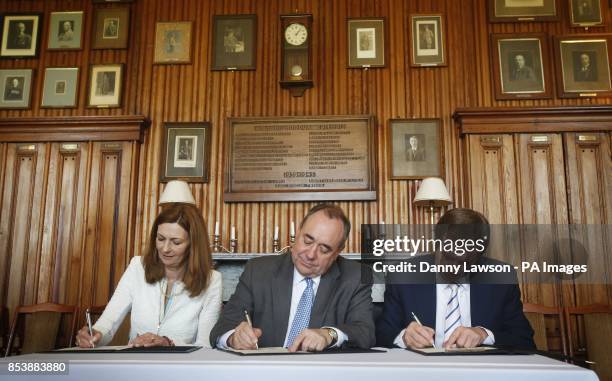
(172, 291)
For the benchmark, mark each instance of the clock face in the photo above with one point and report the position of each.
(296, 34)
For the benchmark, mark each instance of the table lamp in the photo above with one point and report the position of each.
(432, 193)
(176, 191)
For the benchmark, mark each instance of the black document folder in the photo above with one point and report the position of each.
(175, 349)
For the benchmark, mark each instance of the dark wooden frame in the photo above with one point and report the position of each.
(217, 42)
(36, 43)
(30, 91)
(561, 91)
(76, 89)
(497, 72)
(97, 31)
(302, 195)
(118, 84)
(440, 143)
(493, 17)
(206, 133)
(157, 60)
(602, 10)
(82, 14)
(43, 307)
(413, 38)
(379, 24)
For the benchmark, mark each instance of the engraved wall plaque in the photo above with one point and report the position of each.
(300, 159)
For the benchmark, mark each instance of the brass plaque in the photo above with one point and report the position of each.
(300, 159)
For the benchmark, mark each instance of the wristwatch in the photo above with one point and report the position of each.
(333, 334)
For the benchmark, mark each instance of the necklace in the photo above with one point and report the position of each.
(164, 305)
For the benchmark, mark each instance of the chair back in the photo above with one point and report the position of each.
(537, 315)
(37, 328)
(122, 336)
(591, 325)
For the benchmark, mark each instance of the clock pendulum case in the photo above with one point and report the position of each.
(296, 53)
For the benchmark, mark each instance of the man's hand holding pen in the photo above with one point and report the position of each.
(244, 337)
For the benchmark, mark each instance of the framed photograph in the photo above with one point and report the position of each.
(522, 10)
(521, 66)
(366, 42)
(173, 42)
(15, 86)
(20, 35)
(65, 30)
(415, 148)
(111, 28)
(234, 42)
(105, 85)
(186, 152)
(586, 13)
(427, 40)
(60, 87)
(584, 65)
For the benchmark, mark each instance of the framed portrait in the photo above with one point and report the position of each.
(15, 88)
(427, 40)
(415, 148)
(522, 10)
(105, 85)
(60, 87)
(20, 35)
(173, 42)
(586, 13)
(65, 30)
(521, 66)
(111, 28)
(366, 42)
(186, 150)
(234, 42)
(584, 65)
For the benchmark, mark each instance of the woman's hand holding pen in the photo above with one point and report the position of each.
(84, 340)
(244, 337)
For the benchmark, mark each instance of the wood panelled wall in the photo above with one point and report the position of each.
(193, 92)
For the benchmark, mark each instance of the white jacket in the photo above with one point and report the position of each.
(187, 321)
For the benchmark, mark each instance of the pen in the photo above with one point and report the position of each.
(88, 317)
(248, 319)
(419, 323)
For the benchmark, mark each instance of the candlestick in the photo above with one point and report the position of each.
(276, 233)
(233, 245)
(233, 235)
(217, 228)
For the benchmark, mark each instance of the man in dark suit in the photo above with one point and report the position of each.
(457, 311)
(310, 299)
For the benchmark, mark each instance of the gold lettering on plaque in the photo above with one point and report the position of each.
(587, 138)
(26, 147)
(539, 138)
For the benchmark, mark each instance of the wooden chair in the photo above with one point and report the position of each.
(122, 336)
(40, 329)
(536, 314)
(591, 327)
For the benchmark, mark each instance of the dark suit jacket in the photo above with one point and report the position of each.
(265, 288)
(496, 307)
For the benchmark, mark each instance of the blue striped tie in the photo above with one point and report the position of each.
(453, 314)
(302, 315)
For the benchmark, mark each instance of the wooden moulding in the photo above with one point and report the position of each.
(81, 128)
(524, 120)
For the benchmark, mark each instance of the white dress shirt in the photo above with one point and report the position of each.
(187, 320)
(443, 293)
(299, 285)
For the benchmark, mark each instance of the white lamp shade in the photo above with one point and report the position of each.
(176, 191)
(432, 192)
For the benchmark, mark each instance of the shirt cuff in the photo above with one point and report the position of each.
(399, 339)
(490, 340)
(222, 341)
(342, 337)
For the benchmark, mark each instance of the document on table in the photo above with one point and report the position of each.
(263, 351)
(484, 350)
(112, 348)
(128, 349)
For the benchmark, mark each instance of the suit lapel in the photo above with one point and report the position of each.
(282, 287)
(324, 293)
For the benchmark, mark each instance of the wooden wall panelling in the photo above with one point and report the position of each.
(543, 202)
(589, 176)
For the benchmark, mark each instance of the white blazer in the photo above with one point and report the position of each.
(186, 321)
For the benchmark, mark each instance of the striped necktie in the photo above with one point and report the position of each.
(302, 314)
(453, 314)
